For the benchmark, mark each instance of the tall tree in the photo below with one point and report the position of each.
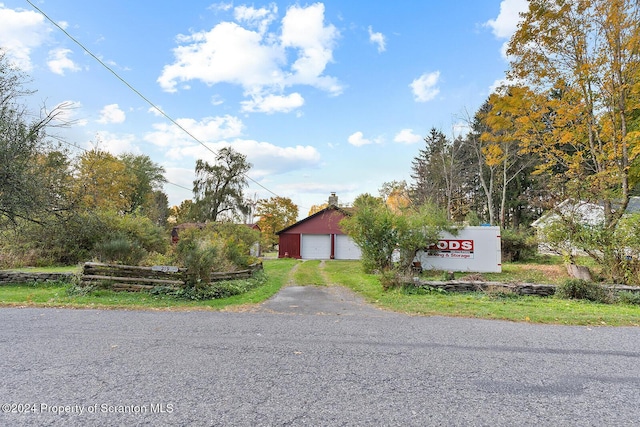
(439, 172)
(500, 144)
(104, 182)
(219, 188)
(149, 178)
(582, 57)
(396, 195)
(275, 214)
(30, 169)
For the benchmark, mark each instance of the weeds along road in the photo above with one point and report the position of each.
(288, 363)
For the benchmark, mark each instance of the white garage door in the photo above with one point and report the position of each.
(315, 246)
(346, 248)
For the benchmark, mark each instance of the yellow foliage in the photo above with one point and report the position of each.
(317, 208)
(494, 154)
(398, 200)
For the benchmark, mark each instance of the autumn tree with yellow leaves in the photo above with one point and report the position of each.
(578, 62)
(275, 214)
(575, 104)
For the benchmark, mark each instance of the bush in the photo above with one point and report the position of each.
(581, 289)
(627, 297)
(518, 245)
(419, 289)
(119, 250)
(198, 256)
(82, 236)
(216, 290)
(391, 279)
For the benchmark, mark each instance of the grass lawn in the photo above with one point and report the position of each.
(57, 295)
(485, 305)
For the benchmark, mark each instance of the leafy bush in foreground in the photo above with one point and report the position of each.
(216, 290)
(581, 289)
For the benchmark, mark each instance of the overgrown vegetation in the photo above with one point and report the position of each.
(215, 290)
(518, 245)
(490, 304)
(380, 231)
(581, 289)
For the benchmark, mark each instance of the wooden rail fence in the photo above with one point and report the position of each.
(133, 278)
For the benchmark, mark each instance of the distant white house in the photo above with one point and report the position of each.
(586, 213)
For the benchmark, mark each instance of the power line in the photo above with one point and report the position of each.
(128, 166)
(137, 92)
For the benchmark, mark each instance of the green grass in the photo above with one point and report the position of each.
(57, 295)
(308, 273)
(485, 305)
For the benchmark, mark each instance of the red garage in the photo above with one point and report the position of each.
(318, 237)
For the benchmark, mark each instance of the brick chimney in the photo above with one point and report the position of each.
(333, 199)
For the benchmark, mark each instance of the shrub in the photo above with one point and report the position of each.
(119, 250)
(391, 279)
(494, 292)
(517, 245)
(216, 290)
(198, 256)
(81, 236)
(627, 297)
(419, 289)
(581, 289)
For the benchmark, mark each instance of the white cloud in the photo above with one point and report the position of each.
(273, 103)
(111, 114)
(59, 61)
(303, 29)
(207, 130)
(460, 129)
(218, 132)
(357, 139)
(256, 60)
(269, 159)
(20, 32)
(155, 111)
(507, 21)
(425, 87)
(377, 39)
(256, 18)
(226, 53)
(117, 144)
(221, 6)
(406, 136)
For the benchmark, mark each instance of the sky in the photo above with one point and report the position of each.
(332, 96)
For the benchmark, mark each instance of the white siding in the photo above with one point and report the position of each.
(346, 248)
(315, 246)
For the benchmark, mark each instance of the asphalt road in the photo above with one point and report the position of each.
(310, 356)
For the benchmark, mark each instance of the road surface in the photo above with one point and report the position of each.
(310, 356)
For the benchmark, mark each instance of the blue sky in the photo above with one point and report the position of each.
(322, 97)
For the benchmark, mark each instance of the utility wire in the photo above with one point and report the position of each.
(137, 92)
(130, 167)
